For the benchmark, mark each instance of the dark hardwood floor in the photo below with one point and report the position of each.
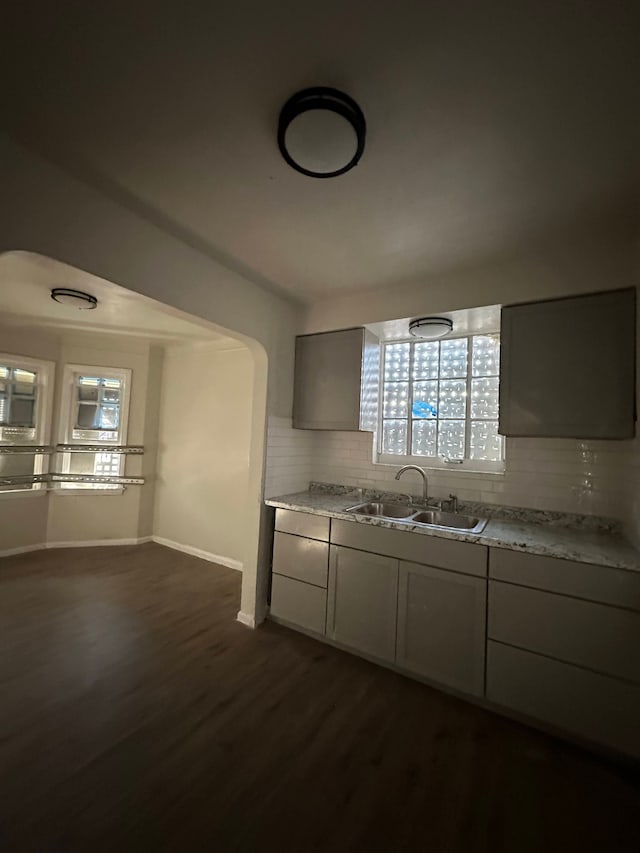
(136, 714)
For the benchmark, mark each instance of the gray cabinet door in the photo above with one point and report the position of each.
(567, 367)
(441, 626)
(328, 376)
(362, 601)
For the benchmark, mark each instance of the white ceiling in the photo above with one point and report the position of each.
(490, 124)
(26, 281)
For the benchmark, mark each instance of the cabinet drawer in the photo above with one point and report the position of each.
(301, 558)
(302, 524)
(415, 547)
(299, 603)
(584, 703)
(596, 583)
(580, 632)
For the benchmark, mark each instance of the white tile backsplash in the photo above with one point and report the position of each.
(631, 515)
(288, 458)
(565, 475)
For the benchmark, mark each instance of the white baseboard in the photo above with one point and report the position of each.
(229, 562)
(245, 619)
(87, 543)
(22, 549)
(98, 543)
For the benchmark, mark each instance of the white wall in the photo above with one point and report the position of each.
(203, 459)
(48, 211)
(589, 262)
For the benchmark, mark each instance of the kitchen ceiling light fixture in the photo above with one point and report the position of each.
(321, 132)
(76, 298)
(430, 328)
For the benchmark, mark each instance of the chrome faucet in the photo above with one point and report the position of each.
(453, 503)
(425, 489)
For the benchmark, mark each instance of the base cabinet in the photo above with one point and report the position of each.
(596, 707)
(362, 601)
(441, 626)
(543, 638)
(299, 603)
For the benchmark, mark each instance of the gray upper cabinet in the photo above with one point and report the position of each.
(567, 367)
(336, 380)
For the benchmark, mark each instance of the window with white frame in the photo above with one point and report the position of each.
(95, 410)
(439, 402)
(25, 418)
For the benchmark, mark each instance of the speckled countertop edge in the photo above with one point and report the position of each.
(601, 548)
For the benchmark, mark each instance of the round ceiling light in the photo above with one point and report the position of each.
(75, 298)
(430, 328)
(321, 132)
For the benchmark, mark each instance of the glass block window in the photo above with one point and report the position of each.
(440, 399)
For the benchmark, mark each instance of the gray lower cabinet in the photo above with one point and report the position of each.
(596, 707)
(362, 601)
(300, 573)
(299, 603)
(547, 639)
(584, 633)
(441, 626)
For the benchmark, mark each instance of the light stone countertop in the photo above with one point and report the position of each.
(598, 547)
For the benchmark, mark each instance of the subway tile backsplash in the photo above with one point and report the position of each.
(588, 477)
(288, 459)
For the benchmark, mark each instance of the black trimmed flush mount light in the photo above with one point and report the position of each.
(321, 132)
(75, 298)
(430, 328)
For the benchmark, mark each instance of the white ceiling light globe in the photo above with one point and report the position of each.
(321, 141)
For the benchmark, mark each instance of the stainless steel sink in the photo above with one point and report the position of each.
(450, 520)
(429, 517)
(383, 510)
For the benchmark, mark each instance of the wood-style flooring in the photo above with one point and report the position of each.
(137, 714)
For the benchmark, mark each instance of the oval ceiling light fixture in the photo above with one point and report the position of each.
(321, 132)
(75, 298)
(430, 328)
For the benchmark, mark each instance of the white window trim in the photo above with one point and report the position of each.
(66, 419)
(432, 463)
(44, 410)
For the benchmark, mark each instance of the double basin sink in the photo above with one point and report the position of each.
(429, 517)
